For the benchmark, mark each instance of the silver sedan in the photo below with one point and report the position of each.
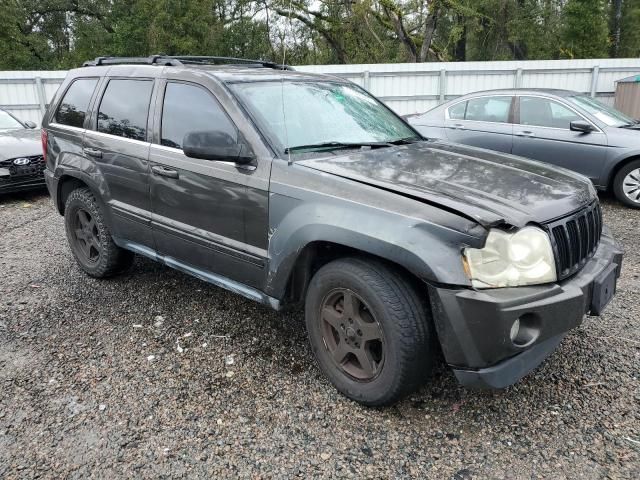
(561, 127)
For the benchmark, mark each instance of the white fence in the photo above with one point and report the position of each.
(405, 87)
(26, 94)
(417, 87)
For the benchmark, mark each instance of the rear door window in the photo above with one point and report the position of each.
(74, 104)
(189, 108)
(124, 108)
(489, 109)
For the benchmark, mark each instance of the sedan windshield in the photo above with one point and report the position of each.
(7, 122)
(601, 111)
(315, 116)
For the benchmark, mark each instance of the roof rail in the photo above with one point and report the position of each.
(209, 60)
(177, 60)
(151, 60)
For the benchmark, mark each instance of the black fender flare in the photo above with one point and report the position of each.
(63, 174)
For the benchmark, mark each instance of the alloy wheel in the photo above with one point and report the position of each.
(352, 335)
(631, 185)
(86, 237)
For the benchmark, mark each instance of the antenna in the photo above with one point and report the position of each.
(284, 58)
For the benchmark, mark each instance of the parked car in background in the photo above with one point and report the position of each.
(565, 128)
(21, 161)
(289, 187)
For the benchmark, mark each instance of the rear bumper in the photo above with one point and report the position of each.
(474, 326)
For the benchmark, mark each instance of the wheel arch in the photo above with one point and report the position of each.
(318, 253)
(619, 166)
(70, 181)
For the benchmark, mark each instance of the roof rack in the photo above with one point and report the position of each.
(171, 60)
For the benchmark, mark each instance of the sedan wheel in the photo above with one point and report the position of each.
(626, 184)
(631, 185)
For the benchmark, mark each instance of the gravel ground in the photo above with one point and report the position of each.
(156, 374)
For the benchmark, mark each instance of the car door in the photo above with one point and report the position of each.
(209, 216)
(543, 133)
(481, 122)
(117, 142)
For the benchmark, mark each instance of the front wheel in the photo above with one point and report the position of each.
(369, 330)
(626, 184)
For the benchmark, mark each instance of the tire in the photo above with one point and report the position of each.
(89, 237)
(385, 304)
(627, 178)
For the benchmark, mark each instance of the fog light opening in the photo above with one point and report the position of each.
(525, 330)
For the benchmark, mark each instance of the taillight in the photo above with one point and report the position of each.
(43, 136)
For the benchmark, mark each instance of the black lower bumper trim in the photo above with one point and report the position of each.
(508, 371)
(38, 183)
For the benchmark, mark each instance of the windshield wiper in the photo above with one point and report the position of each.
(405, 141)
(336, 145)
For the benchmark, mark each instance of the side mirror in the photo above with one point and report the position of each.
(29, 124)
(581, 126)
(216, 145)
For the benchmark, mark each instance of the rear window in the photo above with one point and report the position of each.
(75, 102)
(489, 109)
(124, 108)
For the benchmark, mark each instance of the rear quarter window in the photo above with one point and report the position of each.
(73, 107)
(457, 111)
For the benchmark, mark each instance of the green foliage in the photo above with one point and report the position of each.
(630, 29)
(585, 31)
(41, 34)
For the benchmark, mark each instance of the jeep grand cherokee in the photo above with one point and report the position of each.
(289, 187)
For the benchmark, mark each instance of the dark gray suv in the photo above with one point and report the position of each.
(287, 187)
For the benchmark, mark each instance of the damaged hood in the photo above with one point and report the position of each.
(19, 143)
(489, 187)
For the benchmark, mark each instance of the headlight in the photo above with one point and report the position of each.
(512, 259)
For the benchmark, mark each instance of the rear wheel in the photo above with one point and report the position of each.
(626, 184)
(89, 237)
(369, 330)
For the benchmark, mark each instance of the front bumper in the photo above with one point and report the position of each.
(10, 181)
(20, 184)
(474, 326)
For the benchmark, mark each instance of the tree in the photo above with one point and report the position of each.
(63, 33)
(585, 32)
(629, 31)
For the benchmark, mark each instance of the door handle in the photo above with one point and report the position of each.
(92, 152)
(164, 172)
(526, 133)
(459, 126)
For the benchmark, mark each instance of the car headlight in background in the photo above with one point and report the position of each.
(524, 257)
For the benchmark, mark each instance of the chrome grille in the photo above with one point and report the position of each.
(575, 239)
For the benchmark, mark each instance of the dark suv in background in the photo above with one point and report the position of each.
(289, 187)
